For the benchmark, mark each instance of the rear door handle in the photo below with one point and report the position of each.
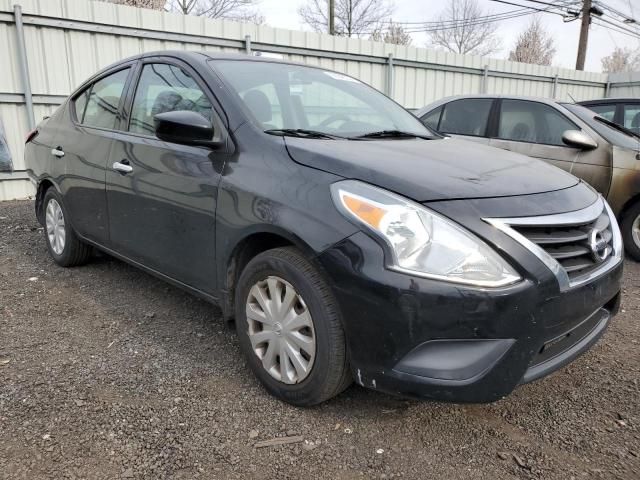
(123, 167)
(58, 152)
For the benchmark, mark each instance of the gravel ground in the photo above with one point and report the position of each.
(107, 372)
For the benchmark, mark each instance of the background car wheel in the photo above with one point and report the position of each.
(63, 244)
(630, 227)
(289, 328)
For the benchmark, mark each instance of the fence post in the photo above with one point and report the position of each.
(247, 44)
(24, 66)
(607, 89)
(485, 79)
(390, 75)
(555, 87)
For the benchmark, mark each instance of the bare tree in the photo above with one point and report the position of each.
(239, 10)
(394, 33)
(465, 30)
(153, 4)
(534, 45)
(352, 17)
(621, 60)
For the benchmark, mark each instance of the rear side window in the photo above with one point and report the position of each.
(165, 88)
(631, 117)
(605, 111)
(432, 119)
(533, 122)
(466, 117)
(97, 106)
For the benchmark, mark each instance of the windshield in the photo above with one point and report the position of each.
(618, 136)
(294, 97)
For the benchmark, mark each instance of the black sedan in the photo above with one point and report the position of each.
(346, 239)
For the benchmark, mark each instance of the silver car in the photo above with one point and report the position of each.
(569, 136)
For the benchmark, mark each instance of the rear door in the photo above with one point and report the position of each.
(535, 129)
(162, 212)
(83, 144)
(466, 118)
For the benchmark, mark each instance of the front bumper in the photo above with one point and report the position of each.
(422, 338)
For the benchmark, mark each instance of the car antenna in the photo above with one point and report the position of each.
(571, 97)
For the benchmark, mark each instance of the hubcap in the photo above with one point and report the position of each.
(281, 330)
(55, 226)
(635, 231)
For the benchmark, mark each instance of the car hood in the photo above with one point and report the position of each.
(427, 170)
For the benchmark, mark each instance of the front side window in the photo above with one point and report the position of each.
(533, 122)
(466, 117)
(165, 88)
(283, 96)
(97, 106)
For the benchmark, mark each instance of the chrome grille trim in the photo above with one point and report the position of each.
(579, 217)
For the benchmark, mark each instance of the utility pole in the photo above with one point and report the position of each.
(584, 34)
(332, 22)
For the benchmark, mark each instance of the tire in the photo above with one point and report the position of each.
(631, 221)
(327, 370)
(71, 251)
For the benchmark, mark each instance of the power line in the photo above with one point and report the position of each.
(545, 10)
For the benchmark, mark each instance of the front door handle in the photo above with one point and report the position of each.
(123, 167)
(58, 152)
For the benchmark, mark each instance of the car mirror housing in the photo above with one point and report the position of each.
(579, 139)
(186, 128)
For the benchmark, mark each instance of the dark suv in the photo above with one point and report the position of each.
(623, 111)
(346, 239)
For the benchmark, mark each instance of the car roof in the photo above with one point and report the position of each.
(437, 103)
(193, 56)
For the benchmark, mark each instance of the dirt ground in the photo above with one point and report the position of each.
(107, 372)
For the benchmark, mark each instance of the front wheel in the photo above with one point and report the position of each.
(289, 328)
(630, 227)
(63, 244)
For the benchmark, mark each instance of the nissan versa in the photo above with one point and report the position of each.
(346, 239)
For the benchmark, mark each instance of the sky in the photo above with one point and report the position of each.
(602, 41)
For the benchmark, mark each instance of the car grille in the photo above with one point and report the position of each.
(579, 249)
(576, 246)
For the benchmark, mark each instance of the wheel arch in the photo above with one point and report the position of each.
(628, 205)
(255, 241)
(43, 185)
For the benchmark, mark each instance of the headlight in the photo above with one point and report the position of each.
(421, 241)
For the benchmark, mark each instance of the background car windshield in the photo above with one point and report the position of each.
(291, 96)
(616, 137)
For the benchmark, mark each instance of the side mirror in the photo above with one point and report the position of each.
(185, 127)
(578, 139)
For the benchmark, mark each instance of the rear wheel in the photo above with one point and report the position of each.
(289, 328)
(63, 244)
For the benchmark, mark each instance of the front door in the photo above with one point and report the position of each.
(535, 129)
(162, 196)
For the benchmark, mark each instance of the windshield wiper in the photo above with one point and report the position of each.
(393, 134)
(300, 132)
(615, 126)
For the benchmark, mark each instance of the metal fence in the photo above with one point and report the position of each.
(47, 47)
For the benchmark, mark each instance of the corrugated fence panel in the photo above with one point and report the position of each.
(625, 84)
(69, 40)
